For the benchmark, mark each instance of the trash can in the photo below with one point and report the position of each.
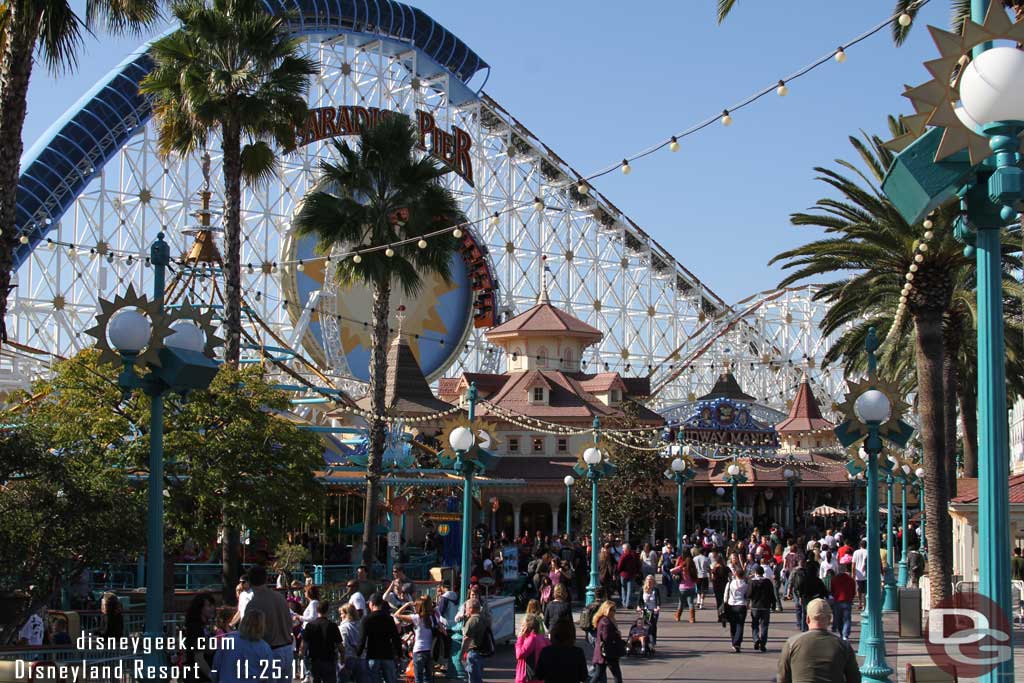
(910, 612)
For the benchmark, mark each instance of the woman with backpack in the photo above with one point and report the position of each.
(528, 647)
(609, 647)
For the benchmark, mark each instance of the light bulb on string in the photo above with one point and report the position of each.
(356, 258)
(913, 267)
(905, 20)
(928, 224)
(726, 118)
(495, 218)
(389, 252)
(840, 55)
(583, 188)
(456, 233)
(922, 247)
(674, 145)
(23, 239)
(422, 244)
(929, 234)
(910, 277)
(783, 89)
(538, 205)
(626, 168)
(919, 257)
(300, 267)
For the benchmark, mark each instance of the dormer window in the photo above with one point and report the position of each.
(615, 395)
(538, 394)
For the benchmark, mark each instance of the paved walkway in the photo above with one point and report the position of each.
(702, 652)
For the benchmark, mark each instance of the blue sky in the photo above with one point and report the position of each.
(598, 80)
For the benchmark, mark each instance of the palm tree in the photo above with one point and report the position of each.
(235, 70)
(52, 31)
(382, 194)
(867, 237)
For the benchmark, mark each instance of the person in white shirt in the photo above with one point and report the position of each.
(703, 564)
(829, 540)
(243, 591)
(313, 596)
(31, 633)
(737, 597)
(860, 571)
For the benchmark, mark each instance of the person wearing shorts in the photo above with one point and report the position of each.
(860, 572)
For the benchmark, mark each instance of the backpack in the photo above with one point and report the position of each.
(487, 646)
(586, 623)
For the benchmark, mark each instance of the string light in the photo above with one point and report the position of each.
(422, 244)
(726, 118)
(626, 168)
(674, 145)
(357, 258)
(905, 20)
(840, 55)
(389, 252)
(494, 219)
(783, 89)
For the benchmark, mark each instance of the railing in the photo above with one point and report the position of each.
(192, 576)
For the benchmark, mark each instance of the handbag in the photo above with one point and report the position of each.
(613, 646)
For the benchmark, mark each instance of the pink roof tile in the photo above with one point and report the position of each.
(544, 319)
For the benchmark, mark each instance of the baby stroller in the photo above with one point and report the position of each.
(638, 644)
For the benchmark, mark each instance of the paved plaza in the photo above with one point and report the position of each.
(702, 652)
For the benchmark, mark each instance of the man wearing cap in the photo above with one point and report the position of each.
(817, 656)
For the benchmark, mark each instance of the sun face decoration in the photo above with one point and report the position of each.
(936, 103)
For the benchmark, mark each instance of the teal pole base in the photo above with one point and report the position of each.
(891, 602)
(592, 588)
(903, 576)
(455, 668)
(875, 674)
(865, 629)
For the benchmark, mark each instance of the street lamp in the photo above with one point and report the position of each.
(870, 418)
(923, 544)
(177, 351)
(680, 472)
(569, 482)
(891, 597)
(903, 475)
(734, 479)
(792, 479)
(595, 467)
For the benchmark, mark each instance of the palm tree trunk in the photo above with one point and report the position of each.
(951, 352)
(231, 145)
(969, 426)
(15, 71)
(931, 406)
(378, 386)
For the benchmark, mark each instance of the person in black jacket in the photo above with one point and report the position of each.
(380, 641)
(806, 587)
(762, 602)
(559, 609)
(562, 661)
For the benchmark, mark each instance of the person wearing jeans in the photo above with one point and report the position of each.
(629, 569)
(380, 642)
(473, 634)
(736, 598)
(762, 602)
(844, 590)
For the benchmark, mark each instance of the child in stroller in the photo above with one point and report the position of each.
(639, 642)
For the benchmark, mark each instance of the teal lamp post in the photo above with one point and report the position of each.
(680, 472)
(986, 98)
(176, 350)
(891, 602)
(870, 417)
(734, 478)
(595, 467)
(569, 482)
(793, 478)
(903, 476)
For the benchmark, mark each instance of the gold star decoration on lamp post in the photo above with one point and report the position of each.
(936, 102)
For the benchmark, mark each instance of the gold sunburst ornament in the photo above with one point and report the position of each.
(898, 406)
(131, 301)
(204, 321)
(484, 435)
(937, 102)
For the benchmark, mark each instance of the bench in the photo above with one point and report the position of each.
(929, 673)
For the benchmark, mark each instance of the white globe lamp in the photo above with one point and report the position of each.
(788, 473)
(461, 439)
(872, 406)
(992, 86)
(592, 456)
(734, 470)
(569, 480)
(720, 491)
(920, 473)
(186, 335)
(129, 330)
(678, 465)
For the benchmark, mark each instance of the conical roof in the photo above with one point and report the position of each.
(726, 387)
(544, 319)
(406, 389)
(805, 413)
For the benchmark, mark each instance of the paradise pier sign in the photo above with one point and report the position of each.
(452, 149)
